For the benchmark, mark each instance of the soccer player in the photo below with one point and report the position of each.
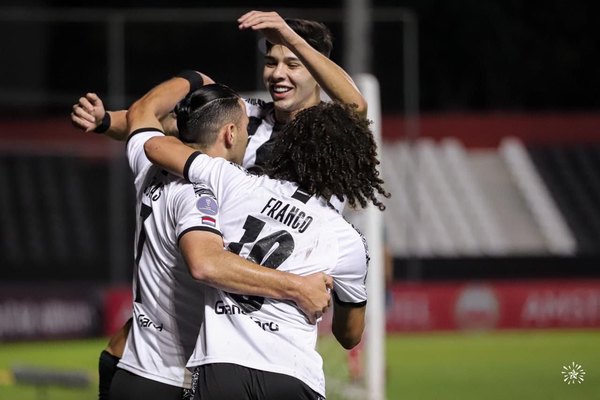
(297, 67)
(179, 248)
(255, 347)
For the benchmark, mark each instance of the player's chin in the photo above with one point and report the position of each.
(287, 104)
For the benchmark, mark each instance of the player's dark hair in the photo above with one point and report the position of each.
(203, 112)
(329, 150)
(315, 33)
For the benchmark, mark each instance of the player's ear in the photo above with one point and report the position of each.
(230, 133)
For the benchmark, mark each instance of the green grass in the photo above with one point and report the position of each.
(501, 365)
(57, 356)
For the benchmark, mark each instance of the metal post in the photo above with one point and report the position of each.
(374, 227)
(357, 36)
(411, 76)
(411, 128)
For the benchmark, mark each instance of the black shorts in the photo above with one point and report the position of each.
(128, 386)
(232, 381)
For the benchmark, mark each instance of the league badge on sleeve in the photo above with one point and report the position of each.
(207, 205)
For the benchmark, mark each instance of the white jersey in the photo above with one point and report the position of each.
(167, 308)
(262, 131)
(275, 224)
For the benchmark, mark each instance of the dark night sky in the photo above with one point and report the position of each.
(473, 54)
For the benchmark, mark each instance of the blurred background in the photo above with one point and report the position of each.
(490, 122)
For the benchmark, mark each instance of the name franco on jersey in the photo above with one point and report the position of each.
(289, 215)
(275, 224)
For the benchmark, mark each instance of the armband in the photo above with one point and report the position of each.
(193, 77)
(104, 125)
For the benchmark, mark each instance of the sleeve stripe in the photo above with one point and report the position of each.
(188, 163)
(348, 304)
(141, 130)
(199, 228)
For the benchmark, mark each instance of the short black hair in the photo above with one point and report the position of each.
(202, 112)
(329, 150)
(315, 33)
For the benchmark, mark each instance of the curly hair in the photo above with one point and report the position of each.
(329, 150)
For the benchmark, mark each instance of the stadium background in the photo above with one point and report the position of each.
(481, 260)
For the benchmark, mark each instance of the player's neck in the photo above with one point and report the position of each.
(283, 117)
(216, 151)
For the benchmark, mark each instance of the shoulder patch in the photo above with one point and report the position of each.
(207, 205)
(207, 202)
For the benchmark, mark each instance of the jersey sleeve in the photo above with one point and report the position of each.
(219, 175)
(195, 208)
(135, 149)
(350, 272)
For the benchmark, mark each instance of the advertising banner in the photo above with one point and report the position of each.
(34, 313)
(499, 305)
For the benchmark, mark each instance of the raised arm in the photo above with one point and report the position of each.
(89, 115)
(330, 76)
(148, 111)
(209, 263)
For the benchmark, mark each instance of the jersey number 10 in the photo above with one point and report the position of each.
(270, 251)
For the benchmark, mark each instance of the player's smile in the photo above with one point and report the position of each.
(279, 91)
(289, 83)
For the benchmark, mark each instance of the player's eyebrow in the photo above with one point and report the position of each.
(286, 59)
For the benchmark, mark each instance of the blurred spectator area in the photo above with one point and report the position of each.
(57, 203)
(473, 196)
(494, 195)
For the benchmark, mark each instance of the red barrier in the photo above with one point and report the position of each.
(506, 305)
(455, 306)
(117, 308)
(486, 130)
(475, 130)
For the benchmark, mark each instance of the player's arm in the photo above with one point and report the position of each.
(209, 263)
(148, 111)
(330, 76)
(348, 322)
(168, 152)
(350, 291)
(89, 115)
